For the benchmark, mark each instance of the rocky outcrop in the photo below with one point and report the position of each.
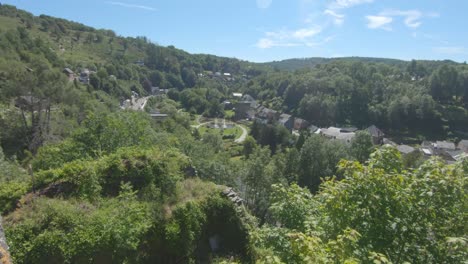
(233, 196)
(4, 255)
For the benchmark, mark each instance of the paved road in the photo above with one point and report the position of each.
(243, 136)
(139, 103)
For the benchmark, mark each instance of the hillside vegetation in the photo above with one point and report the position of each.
(83, 180)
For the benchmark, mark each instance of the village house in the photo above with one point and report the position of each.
(331, 132)
(69, 73)
(405, 149)
(245, 109)
(227, 105)
(140, 63)
(445, 145)
(238, 95)
(84, 76)
(266, 115)
(463, 145)
(300, 124)
(337, 133)
(158, 116)
(376, 134)
(158, 92)
(287, 121)
(312, 128)
(346, 137)
(348, 129)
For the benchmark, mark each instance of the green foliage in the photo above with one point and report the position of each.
(291, 206)
(141, 168)
(14, 183)
(103, 134)
(55, 231)
(377, 214)
(361, 146)
(318, 159)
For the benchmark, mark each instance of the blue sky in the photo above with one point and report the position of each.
(266, 30)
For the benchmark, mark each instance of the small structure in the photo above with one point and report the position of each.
(69, 73)
(405, 149)
(158, 116)
(84, 76)
(266, 115)
(445, 145)
(242, 109)
(348, 129)
(140, 62)
(300, 124)
(387, 141)
(238, 95)
(346, 137)
(312, 128)
(227, 105)
(376, 134)
(287, 121)
(463, 145)
(427, 151)
(456, 155)
(331, 132)
(158, 92)
(248, 98)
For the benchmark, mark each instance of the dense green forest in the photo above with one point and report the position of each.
(84, 181)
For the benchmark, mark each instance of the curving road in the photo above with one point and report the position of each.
(243, 136)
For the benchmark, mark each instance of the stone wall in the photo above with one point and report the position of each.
(4, 256)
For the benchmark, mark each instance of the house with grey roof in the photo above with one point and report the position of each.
(445, 145)
(405, 149)
(287, 121)
(376, 134)
(463, 145)
(300, 124)
(331, 132)
(312, 128)
(346, 137)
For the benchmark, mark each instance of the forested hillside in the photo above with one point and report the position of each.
(88, 174)
(424, 99)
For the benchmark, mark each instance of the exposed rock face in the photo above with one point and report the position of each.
(4, 256)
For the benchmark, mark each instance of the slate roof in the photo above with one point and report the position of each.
(332, 132)
(375, 131)
(346, 137)
(312, 128)
(284, 118)
(463, 145)
(405, 149)
(445, 145)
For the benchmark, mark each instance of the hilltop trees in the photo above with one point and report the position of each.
(377, 213)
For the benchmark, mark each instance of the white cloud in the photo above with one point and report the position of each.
(288, 38)
(338, 19)
(335, 9)
(304, 33)
(379, 22)
(412, 18)
(452, 50)
(263, 4)
(341, 4)
(131, 5)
